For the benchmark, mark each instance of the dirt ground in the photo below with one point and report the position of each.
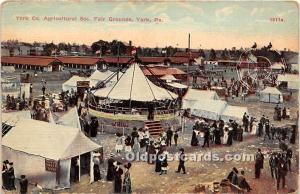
(145, 180)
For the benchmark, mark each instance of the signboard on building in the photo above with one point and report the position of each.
(83, 84)
(50, 165)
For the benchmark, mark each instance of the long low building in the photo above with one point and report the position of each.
(53, 63)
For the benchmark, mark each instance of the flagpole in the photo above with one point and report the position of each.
(118, 61)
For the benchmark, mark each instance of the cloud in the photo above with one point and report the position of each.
(157, 7)
(124, 6)
(257, 11)
(192, 8)
(225, 11)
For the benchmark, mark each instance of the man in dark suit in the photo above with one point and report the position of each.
(181, 161)
(169, 136)
(206, 136)
(259, 161)
(282, 171)
(23, 184)
(11, 176)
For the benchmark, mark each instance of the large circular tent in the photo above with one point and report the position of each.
(133, 92)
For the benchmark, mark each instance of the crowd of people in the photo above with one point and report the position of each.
(13, 103)
(217, 132)
(115, 173)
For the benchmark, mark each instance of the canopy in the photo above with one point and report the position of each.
(134, 85)
(100, 75)
(271, 94)
(234, 113)
(47, 140)
(193, 94)
(168, 78)
(70, 119)
(72, 83)
(292, 79)
(206, 108)
(177, 85)
(277, 65)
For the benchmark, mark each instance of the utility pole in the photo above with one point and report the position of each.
(118, 61)
(189, 52)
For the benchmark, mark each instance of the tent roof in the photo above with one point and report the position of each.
(216, 106)
(70, 119)
(277, 65)
(48, 140)
(11, 118)
(288, 78)
(271, 90)
(234, 112)
(177, 85)
(210, 109)
(169, 78)
(193, 94)
(100, 76)
(134, 85)
(73, 80)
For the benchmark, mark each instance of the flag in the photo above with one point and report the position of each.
(133, 52)
(98, 52)
(164, 51)
(53, 51)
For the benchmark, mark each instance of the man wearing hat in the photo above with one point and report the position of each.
(118, 177)
(11, 177)
(181, 161)
(23, 184)
(5, 174)
(110, 168)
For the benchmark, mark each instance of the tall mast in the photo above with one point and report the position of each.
(189, 52)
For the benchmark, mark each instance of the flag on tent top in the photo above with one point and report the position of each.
(133, 52)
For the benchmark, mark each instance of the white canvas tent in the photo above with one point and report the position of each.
(177, 85)
(99, 76)
(31, 143)
(292, 80)
(277, 66)
(168, 78)
(206, 108)
(72, 83)
(234, 113)
(194, 95)
(70, 119)
(134, 85)
(271, 95)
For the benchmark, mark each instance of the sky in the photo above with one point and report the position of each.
(214, 24)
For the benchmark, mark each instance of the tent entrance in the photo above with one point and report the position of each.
(74, 172)
(85, 163)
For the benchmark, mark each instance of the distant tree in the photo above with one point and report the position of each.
(212, 55)
(48, 48)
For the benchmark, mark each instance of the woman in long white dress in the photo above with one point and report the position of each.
(119, 144)
(225, 137)
(254, 129)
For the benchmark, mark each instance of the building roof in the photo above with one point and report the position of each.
(121, 60)
(48, 140)
(27, 60)
(179, 60)
(153, 59)
(162, 70)
(134, 85)
(78, 60)
(187, 54)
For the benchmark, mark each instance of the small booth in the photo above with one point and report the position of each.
(55, 156)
